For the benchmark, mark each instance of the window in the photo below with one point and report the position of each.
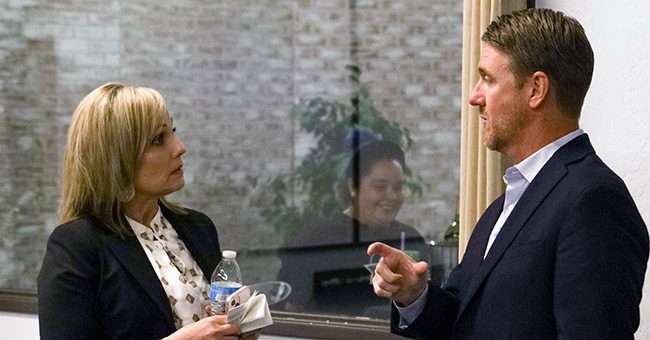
(232, 73)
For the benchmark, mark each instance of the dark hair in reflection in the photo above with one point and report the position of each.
(368, 150)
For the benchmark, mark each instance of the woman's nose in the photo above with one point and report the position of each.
(393, 194)
(180, 147)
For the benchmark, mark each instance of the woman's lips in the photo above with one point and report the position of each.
(178, 170)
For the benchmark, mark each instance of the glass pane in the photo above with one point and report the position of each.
(257, 89)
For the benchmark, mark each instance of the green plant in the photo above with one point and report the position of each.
(314, 183)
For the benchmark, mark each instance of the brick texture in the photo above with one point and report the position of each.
(230, 71)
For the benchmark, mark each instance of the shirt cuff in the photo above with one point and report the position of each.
(409, 313)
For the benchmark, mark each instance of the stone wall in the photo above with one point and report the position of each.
(230, 71)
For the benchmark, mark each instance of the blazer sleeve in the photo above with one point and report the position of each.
(436, 320)
(68, 283)
(602, 250)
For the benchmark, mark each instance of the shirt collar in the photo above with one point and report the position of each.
(530, 167)
(139, 228)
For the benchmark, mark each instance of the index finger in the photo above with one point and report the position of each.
(380, 249)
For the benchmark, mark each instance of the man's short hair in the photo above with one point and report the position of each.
(540, 39)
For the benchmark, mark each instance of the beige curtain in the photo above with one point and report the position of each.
(480, 168)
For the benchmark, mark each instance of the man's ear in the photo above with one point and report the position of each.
(539, 89)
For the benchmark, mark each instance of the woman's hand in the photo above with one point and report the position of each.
(211, 327)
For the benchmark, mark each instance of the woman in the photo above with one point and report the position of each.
(125, 263)
(333, 249)
(375, 179)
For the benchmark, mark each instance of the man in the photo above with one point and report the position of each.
(561, 255)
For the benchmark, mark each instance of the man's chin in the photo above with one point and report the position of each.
(490, 144)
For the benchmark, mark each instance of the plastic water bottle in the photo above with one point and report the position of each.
(225, 280)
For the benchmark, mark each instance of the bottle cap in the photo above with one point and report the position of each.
(229, 254)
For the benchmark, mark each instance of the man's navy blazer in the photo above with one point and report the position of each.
(569, 262)
(96, 285)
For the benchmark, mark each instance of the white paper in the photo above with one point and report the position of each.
(251, 315)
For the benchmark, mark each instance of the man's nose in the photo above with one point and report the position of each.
(476, 98)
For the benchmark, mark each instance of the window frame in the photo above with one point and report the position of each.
(285, 323)
(18, 301)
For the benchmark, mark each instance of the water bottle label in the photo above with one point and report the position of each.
(220, 291)
(218, 294)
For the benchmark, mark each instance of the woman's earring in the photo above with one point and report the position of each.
(127, 194)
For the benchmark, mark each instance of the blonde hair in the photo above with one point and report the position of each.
(109, 131)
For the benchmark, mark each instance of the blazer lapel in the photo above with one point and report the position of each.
(191, 239)
(543, 183)
(473, 256)
(130, 253)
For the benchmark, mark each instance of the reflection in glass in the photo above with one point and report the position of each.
(326, 261)
(275, 291)
(241, 77)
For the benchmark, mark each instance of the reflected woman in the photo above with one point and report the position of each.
(125, 263)
(375, 180)
(330, 250)
(374, 183)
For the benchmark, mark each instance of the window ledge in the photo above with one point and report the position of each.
(329, 327)
(18, 301)
(284, 323)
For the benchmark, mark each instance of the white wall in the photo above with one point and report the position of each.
(616, 114)
(18, 326)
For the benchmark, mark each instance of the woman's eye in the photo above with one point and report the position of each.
(158, 140)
